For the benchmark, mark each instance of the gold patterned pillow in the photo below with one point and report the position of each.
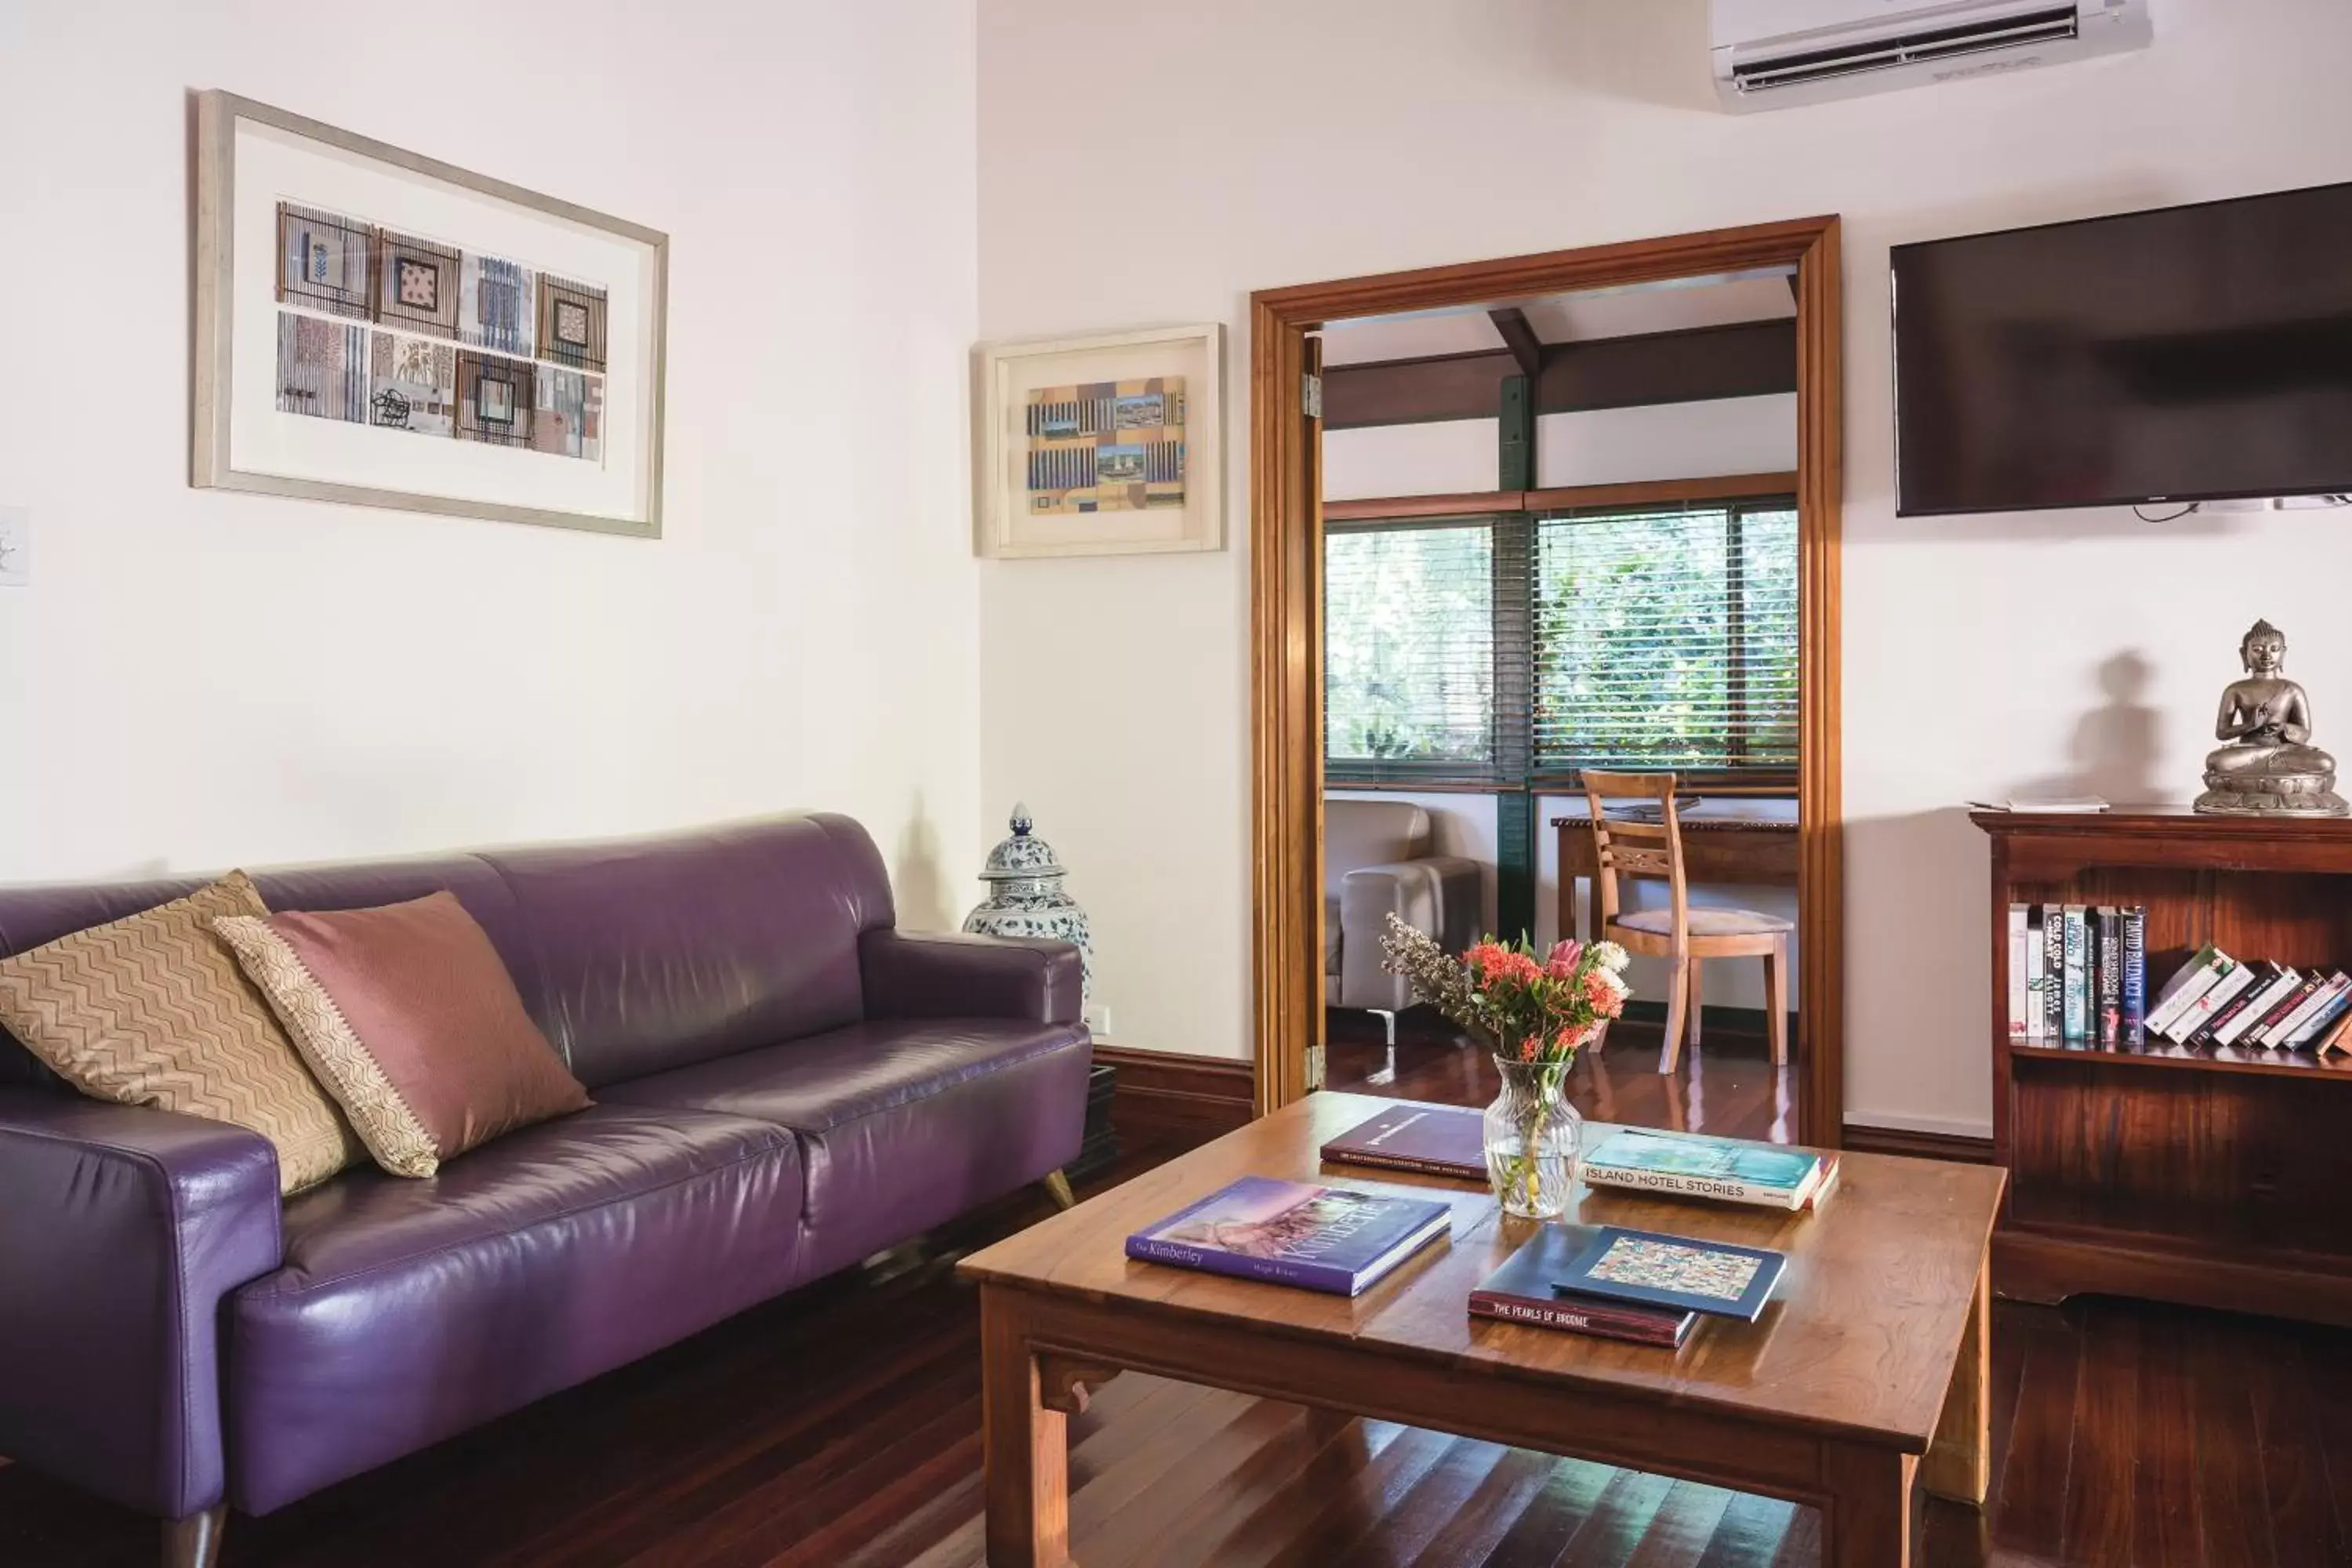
(154, 1010)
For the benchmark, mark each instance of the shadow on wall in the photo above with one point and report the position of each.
(2114, 746)
(916, 876)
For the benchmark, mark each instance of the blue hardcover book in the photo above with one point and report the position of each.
(2134, 1026)
(1289, 1233)
(1680, 1272)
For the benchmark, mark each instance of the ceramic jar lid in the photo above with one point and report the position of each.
(1021, 857)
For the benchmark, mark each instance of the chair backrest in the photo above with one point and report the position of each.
(1360, 833)
(1628, 849)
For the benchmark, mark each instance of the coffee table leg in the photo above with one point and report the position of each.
(1027, 1445)
(1866, 1520)
(1959, 1464)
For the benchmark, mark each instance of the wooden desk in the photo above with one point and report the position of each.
(1741, 851)
(1868, 1374)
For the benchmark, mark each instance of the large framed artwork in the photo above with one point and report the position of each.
(1103, 445)
(385, 329)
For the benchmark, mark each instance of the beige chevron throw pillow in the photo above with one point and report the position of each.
(154, 1010)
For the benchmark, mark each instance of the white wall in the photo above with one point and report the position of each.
(197, 678)
(1115, 692)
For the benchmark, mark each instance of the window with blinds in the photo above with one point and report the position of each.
(1512, 650)
(1410, 647)
(1667, 639)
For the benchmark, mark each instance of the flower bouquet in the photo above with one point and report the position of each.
(1535, 1013)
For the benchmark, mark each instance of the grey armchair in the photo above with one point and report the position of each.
(1377, 861)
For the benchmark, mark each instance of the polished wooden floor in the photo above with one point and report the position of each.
(841, 1430)
(1729, 1085)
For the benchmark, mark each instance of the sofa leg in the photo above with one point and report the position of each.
(194, 1541)
(1057, 1187)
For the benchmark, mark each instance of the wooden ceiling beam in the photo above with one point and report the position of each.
(1520, 338)
(1746, 360)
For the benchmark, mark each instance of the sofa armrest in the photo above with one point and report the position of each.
(925, 975)
(121, 1230)
(1439, 894)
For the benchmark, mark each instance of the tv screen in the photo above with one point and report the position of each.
(2190, 353)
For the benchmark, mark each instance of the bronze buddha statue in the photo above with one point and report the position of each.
(2267, 765)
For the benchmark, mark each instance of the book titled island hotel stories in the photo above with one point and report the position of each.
(1289, 1233)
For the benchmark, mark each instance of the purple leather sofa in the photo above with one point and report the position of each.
(785, 1083)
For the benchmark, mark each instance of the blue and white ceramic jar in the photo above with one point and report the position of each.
(1025, 898)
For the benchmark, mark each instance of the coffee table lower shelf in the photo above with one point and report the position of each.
(1043, 1354)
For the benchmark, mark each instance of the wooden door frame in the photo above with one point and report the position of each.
(1285, 624)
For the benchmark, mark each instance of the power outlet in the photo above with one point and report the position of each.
(1098, 1019)
(16, 547)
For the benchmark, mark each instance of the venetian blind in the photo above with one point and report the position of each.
(1413, 616)
(1666, 638)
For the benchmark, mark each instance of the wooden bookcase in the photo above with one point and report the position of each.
(2210, 1176)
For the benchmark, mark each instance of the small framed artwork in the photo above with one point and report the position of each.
(380, 328)
(1103, 445)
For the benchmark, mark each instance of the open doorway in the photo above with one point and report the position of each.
(1539, 516)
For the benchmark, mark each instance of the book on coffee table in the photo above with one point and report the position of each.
(1683, 1272)
(1430, 1139)
(1520, 1291)
(1291, 1233)
(1688, 1164)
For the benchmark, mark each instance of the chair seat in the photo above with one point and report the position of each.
(1706, 922)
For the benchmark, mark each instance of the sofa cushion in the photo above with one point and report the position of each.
(658, 953)
(904, 1123)
(410, 1020)
(408, 1310)
(151, 1009)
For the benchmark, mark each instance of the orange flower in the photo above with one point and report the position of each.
(1606, 999)
(1484, 955)
(1530, 1048)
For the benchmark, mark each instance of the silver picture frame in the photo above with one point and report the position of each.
(211, 468)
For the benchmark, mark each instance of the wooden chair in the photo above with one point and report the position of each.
(1686, 937)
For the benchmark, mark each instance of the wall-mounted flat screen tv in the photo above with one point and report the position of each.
(2190, 354)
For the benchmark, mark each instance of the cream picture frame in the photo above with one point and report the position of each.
(1109, 444)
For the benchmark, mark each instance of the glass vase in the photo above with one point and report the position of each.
(1534, 1137)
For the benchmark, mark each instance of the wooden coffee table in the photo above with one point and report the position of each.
(1868, 1372)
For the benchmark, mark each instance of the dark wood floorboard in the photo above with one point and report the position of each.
(1726, 1086)
(841, 1430)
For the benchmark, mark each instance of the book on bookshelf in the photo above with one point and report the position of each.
(2278, 1012)
(1431, 1140)
(1520, 1291)
(2333, 1036)
(2188, 982)
(2078, 978)
(2225, 989)
(2227, 1012)
(2021, 977)
(2054, 974)
(2327, 1019)
(1650, 1269)
(2036, 978)
(2135, 1019)
(2274, 988)
(2109, 945)
(1334, 1239)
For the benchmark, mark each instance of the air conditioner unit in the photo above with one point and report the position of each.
(1772, 54)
